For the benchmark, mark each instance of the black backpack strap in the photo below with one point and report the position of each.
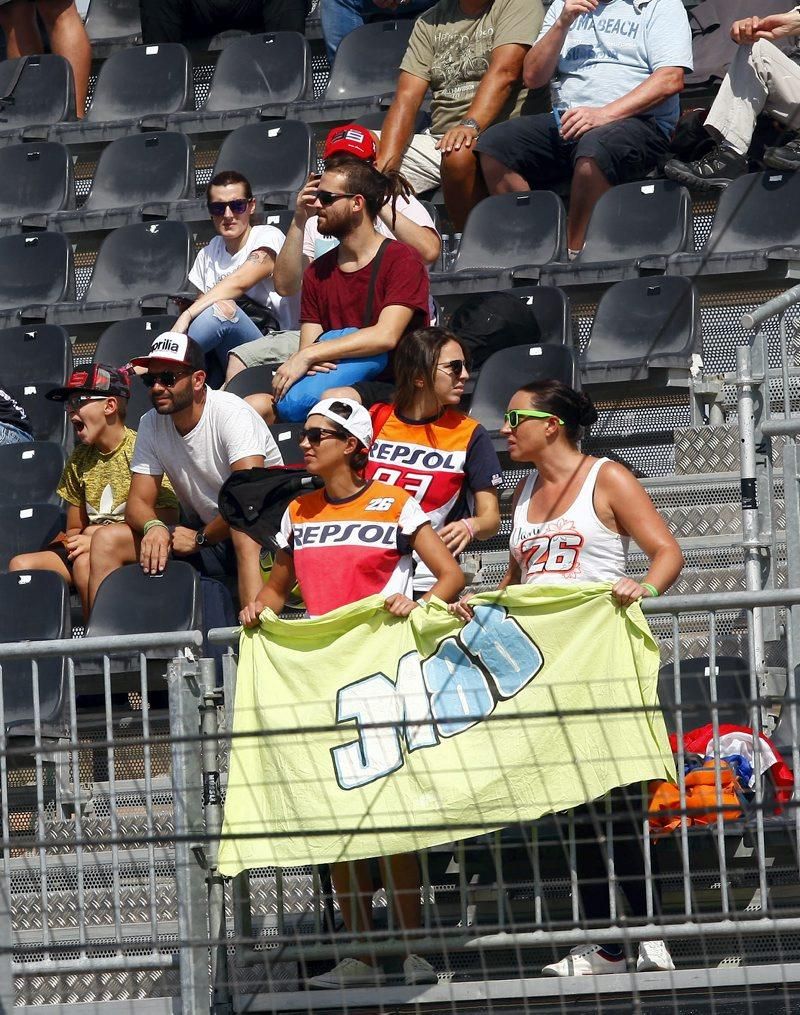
(376, 267)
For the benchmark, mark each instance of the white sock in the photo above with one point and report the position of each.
(572, 254)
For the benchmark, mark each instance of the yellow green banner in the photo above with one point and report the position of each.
(358, 734)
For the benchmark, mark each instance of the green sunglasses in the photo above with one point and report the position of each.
(515, 416)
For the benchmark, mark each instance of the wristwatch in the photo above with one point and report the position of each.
(201, 538)
(469, 122)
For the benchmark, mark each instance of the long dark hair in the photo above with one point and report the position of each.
(375, 187)
(574, 407)
(417, 356)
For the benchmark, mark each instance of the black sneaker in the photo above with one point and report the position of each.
(787, 156)
(712, 172)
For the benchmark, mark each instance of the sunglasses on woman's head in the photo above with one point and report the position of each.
(167, 378)
(316, 434)
(454, 366)
(327, 197)
(238, 206)
(515, 416)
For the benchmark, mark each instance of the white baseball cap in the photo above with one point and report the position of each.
(358, 422)
(173, 347)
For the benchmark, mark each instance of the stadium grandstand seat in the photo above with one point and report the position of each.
(732, 697)
(287, 437)
(113, 21)
(634, 228)
(37, 180)
(643, 329)
(34, 270)
(502, 233)
(253, 380)
(281, 218)
(27, 527)
(132, 84)
(131, 602)
(276, 157)
(35, 90)
(48, 419)
(34, 606)
(137, 177)
(133, 262)
(508, 369)
(756, 228)
(38, 354)
(551, 308)
(118, 345)
(30, 472)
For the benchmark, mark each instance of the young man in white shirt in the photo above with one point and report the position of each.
(197, 437)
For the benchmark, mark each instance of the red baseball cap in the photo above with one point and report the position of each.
(352, 140)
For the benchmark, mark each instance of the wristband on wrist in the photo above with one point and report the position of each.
(651, 589)
(152, 524)
(469, 527)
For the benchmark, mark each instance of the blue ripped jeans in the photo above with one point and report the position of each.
(215, 332)
(10, 434)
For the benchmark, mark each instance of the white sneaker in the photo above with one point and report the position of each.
(654, 957)
(586, 960)
(347, 973)
(418, 970)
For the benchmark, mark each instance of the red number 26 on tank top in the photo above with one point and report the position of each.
(551, 553)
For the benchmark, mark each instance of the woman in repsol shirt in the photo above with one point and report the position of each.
(423, 444)
(573, 518)
(351, 539)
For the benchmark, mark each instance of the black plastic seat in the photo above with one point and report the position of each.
(37, 354)
(756, 228)
(732, 692)
(131, 602)
(137, 177)
(48, 419)
(120, 343)
(25, 528)
(42, 92)
(113, 20)
(253, 380)
(30, 472)
(642, 329)
(507, 370)
(287, 437)
(133, 262)
(275, 157)
(634, 228)
(37, 180)
(34, 270)
(551, 309)
(502, 233)
(34, 606)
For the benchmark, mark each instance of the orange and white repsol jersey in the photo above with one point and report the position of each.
(344, 550)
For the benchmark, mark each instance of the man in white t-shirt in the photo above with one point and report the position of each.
(197, 437)
(304, 243)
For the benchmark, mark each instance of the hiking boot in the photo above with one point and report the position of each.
(786, 156)
(712, 172)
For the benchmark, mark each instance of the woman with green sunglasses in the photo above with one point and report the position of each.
(573, 518)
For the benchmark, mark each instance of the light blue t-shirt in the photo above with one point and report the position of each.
(607, 53)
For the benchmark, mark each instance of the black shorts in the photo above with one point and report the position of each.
(532, 146)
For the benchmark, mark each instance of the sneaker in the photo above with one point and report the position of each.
(654, 957)
(787, 156)
(347, 973)
(418, 970)
(715, 170)
(587, 960)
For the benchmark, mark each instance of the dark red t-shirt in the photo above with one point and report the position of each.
(336, 299)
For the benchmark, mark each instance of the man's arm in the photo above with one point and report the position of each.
(259, 265)
(424, 239)
(290, 262)
(399, 123)
(541, 60)
(774, 26)
(140, 508)
(662, 83)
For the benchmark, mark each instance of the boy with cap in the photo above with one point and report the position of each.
(96, 479)
(196, 436)
(304, 243)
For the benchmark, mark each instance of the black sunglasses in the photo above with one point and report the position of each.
(454, 366)
(327, 197)
(316, 434)
(238, 206)
(167, 378)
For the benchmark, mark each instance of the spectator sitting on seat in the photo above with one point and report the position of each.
(196, 436)
(469, 53)
(358, 300)
(15, 427)
(412, 225)
(762, 78)
(65, 32)
(619, 70)
(97, 477)
(341, 17)
(233, 274)
(183, 20)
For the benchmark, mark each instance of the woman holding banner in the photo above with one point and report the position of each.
(573, 518)
(352, 539)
